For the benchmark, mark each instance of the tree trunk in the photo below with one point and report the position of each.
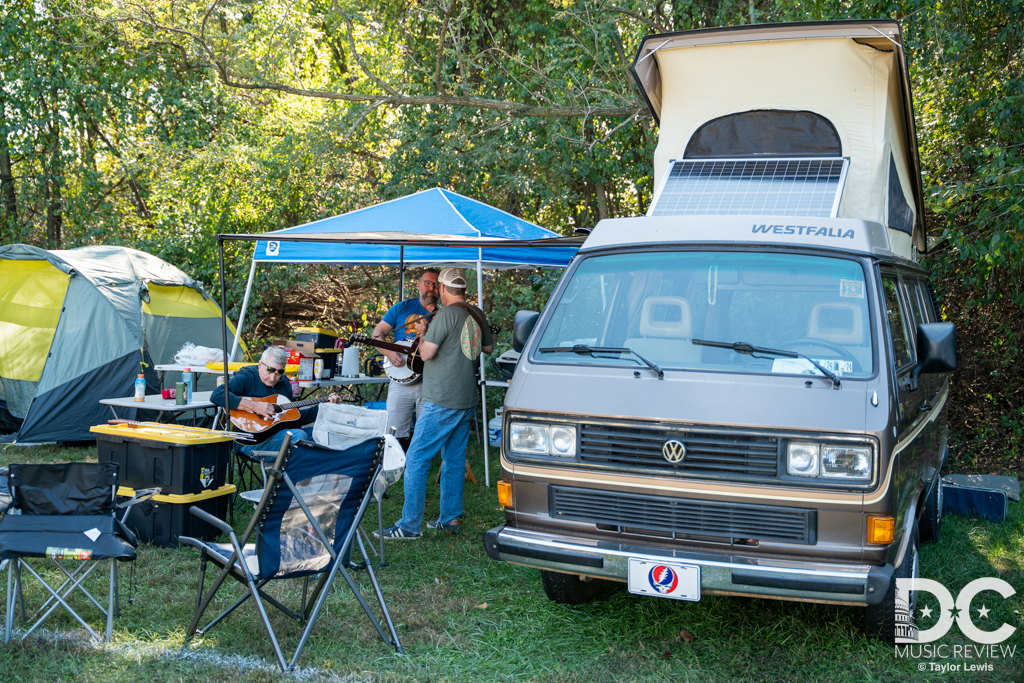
(54, 196)
(8, 195)
(602, 200)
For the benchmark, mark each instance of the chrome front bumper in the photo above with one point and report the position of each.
(721, 573)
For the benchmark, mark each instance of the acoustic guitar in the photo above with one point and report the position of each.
(285, 409)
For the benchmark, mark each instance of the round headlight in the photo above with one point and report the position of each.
(563, 441)
(802, 459)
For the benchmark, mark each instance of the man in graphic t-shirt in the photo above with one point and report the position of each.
(404, 399)
(450, 348)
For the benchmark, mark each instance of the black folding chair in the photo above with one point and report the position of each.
(305, 524)
(67, 512)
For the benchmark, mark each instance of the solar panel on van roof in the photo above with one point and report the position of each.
(773, 187)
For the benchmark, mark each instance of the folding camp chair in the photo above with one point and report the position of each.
(305, 524)
(67, 512)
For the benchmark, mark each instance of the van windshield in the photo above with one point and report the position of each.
(656, 303)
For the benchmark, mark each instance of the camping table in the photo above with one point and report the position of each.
(201, 401)
(355, 382)
(199, 370)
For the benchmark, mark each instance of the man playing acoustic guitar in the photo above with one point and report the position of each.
(259, 381)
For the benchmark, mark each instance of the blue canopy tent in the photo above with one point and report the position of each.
(436, 227)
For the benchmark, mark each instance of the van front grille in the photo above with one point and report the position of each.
(682, 516)
(708, 453)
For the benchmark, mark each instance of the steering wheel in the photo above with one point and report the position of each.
(843, 354)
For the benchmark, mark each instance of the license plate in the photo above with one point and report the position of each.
(664, 580)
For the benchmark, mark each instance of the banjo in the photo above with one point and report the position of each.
(411, 372)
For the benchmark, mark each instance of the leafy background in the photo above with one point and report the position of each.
(158, 124)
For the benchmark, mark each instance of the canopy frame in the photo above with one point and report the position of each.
(382, 238)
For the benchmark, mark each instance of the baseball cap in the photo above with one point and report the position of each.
(453, 277)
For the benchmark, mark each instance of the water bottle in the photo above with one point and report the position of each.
(186, 379)
(140, 388)
(494, 428)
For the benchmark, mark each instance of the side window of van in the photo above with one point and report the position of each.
(914, 298)
(897, 323)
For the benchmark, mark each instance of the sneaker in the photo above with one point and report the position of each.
(452, 526)
(397, 533)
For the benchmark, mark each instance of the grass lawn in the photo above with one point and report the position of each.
(462, 616)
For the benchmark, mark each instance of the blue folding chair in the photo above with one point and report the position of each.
(305, 524)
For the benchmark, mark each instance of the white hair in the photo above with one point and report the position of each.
(275, 355)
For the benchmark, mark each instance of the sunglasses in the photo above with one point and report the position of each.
(428, 283)
(273, 371)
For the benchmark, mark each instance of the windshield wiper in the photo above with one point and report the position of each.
(585, 350)
(744, 347)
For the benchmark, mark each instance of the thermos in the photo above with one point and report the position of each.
(186, 379)
(179, 394)
(140, 388)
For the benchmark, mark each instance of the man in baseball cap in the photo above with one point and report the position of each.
(450, 349)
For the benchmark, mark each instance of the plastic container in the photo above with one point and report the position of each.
(178, 460)
(189, 382)
(494, 428)
(140, 388)
(324, 341)
(163, 518)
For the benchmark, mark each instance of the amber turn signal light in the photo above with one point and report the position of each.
(880, 529)
(504, 493)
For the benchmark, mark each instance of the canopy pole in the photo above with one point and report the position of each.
(483, 374)
(223, 331)
(401, 273)
(245, 304)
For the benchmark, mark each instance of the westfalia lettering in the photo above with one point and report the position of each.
(808, 230)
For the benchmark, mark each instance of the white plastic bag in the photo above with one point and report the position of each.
(197, 356)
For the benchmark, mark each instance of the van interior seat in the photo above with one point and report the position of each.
(838, 322)
(666, 328)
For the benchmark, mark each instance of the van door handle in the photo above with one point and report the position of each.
(925, 406)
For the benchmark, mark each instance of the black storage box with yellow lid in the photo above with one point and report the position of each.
(163, 518)
(324, 341)
(180, 460)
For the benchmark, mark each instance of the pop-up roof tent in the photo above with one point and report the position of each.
(434, 227)
(748, 114)
(79, 325)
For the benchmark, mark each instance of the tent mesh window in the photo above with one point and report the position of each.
(774, 187)
(901, 216)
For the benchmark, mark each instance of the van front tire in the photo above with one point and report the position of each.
(880, 620)
(569, 589)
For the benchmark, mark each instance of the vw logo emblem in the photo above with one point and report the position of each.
(674, 451)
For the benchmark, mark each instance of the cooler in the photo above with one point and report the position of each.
(163, 518)
(180, 460)
(324, 341)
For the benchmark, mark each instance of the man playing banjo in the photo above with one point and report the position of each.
(405, 391)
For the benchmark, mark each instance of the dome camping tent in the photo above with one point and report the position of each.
(79, 325)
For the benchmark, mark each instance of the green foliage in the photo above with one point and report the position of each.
(159, 125)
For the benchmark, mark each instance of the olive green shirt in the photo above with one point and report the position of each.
(449, 378)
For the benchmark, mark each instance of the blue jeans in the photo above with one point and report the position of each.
(437, 429)
(274, 442)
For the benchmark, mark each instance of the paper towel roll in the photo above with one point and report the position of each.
(350, 362)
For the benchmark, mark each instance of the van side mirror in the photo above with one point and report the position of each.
(522, 326)
(936, 351)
